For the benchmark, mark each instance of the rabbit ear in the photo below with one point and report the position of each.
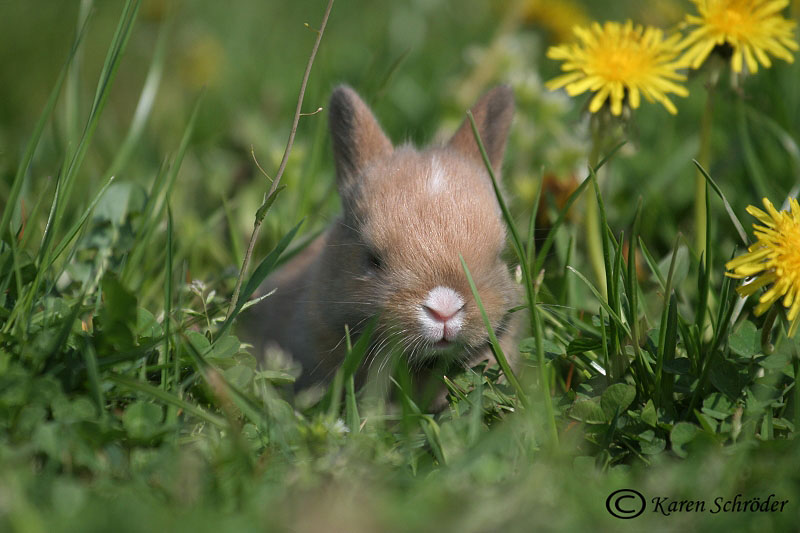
(492, 114)
(356, 135)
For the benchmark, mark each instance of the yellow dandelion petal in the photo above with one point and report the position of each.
(788, 300)
(583, 84)
(698, 53)
(758, 283)
(759, 214)
(666, 102)
(566, 79)
(794, 311)
(774, 293)
(752, 257)
(599, 99)
(619, 62)
(749, 269)
(762, 57)
(633, 97)
(771, 210)
(666, 86)
(774, 260)
(558, 52)
(771, 7)
(750, 59)
(584, 34)
(617, 95)
(753, 28)
(762, 307)
(736, 60)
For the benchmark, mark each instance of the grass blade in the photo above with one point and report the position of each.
(346, 372)
(264, 269)
(146, 100)
(524, 256)
(352, 418)
(613, 371)
(176, 368)
(632, 291)
(92, 372)
(736, 222)
(562, 215)
(666, 351)
(33, 143)
(615, 302)
(71, 107)
(515, 238)
(668, 297)
(108, 74)
(154, 209)
(428, 425)
(167, 398)
(538, 334)
(531, 243)
(653, 264)
(600, 299)
(720, 336)
(72, 164)
(221, 387)
(494, 343)
(79, 223)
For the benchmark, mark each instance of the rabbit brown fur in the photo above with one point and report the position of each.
(394, 251)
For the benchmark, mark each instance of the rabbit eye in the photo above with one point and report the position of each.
(374, 260)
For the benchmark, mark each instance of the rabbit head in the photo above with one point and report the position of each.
(408, 214)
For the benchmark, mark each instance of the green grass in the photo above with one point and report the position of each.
(128, 192)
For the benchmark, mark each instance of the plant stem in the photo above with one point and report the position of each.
(297, 113)
(796, 395)
(594, 243)
(704, 158)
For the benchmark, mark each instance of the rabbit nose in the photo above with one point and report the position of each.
(443, 303)
(439, 314)
(442, 314)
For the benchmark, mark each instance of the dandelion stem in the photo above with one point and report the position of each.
(796, 395)
(594, 243)
(704, 158)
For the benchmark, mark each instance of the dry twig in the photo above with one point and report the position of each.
(261, 213)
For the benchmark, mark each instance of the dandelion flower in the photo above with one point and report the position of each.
(773, 259)
(752, 28)
(619, 63)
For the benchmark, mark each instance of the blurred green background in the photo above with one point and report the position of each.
(420, 64)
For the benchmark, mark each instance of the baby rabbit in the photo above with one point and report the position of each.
(407, 214)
